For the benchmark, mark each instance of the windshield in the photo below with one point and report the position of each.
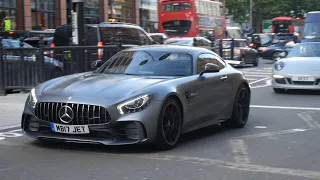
(312, 30)
(281, 26)
(265, 39)
(152, 63)
(305, 50)
(176, 27)
(176, 7)
(15, 44)
(178, 42)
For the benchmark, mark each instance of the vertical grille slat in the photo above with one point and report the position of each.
(84, 114)
(77, 114)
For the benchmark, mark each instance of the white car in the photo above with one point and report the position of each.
(299, 70)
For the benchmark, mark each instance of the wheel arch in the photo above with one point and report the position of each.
(176, 97)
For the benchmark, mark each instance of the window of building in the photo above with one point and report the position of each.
(8, 10)
(203, 59)
(149, 15)
(43, 14)
(122, 11)
(91, 12)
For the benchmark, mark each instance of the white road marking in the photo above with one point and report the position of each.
(258, 70)
(267, 68)
(10, 126)
(17, 130)
(307, 118)
(268, 134)
(260, 127)
(239, 150)
(252, 75)
(285, 107)
(258, 73)
(231, 165)
(2, 138)
(259, 80)
(268, 83)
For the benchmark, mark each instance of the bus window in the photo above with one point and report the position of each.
(281, 26)
(174, 28)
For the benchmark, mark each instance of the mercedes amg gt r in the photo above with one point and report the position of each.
(147, 94)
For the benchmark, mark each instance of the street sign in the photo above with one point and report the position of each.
(74, 16)
(266, 26)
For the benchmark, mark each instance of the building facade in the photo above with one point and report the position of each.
(48, 14)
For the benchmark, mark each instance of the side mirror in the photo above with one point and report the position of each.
(96, 64)
(194, 42)
(295, 39)
(210, 68)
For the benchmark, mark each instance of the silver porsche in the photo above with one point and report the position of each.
(299, 70)
(149, 94)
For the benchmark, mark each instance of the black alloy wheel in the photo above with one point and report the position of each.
(243, 105)
(169, 126)
(241, 108)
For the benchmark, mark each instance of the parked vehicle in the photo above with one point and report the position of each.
(300, 69)
(311, 31)
(147, 94)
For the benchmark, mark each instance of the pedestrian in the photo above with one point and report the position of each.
(6, 24)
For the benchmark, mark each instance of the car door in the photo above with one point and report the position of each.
(214, 88)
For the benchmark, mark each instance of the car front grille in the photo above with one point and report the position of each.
(84, 114)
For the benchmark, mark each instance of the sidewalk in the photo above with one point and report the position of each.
(11, 107)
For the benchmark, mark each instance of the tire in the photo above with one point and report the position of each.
(170, 108)
(274, 56)
(278, 90)
(256, 62)
(238, 118)
(243, 62)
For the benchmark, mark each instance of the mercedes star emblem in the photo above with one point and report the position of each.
(66, 114)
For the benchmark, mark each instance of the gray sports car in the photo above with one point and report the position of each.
(299, 70)
(149, 94)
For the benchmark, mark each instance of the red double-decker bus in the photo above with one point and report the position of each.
(286, 24)
(190, 18)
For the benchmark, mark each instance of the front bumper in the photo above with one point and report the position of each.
(135, 128)
(286, 82)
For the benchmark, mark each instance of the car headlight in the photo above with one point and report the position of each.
(32, 98)
(278, 66)
(135, 105)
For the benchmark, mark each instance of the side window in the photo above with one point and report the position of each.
(143, 38)
(203, 59)
(91, 36)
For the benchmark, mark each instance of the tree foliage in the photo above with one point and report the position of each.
(268, 9)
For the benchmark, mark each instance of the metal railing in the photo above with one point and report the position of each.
(23, 68)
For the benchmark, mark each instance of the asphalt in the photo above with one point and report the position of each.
(280, 142)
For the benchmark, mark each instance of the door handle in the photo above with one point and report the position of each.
(224, 78)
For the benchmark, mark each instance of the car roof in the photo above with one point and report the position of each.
(170, 48)
(118, 24)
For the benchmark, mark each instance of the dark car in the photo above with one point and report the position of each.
(242, 53)
(273, 51)
(105, 34)
(146, 94)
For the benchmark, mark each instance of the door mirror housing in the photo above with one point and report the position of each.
(96, 64)
(210, 68)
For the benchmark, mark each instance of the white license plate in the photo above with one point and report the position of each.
(70, 129)
(303, 78)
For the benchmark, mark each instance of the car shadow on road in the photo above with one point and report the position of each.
(186, 139)
(303, 92)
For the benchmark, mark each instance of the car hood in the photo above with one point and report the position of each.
(302, 64)
(100, 85)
